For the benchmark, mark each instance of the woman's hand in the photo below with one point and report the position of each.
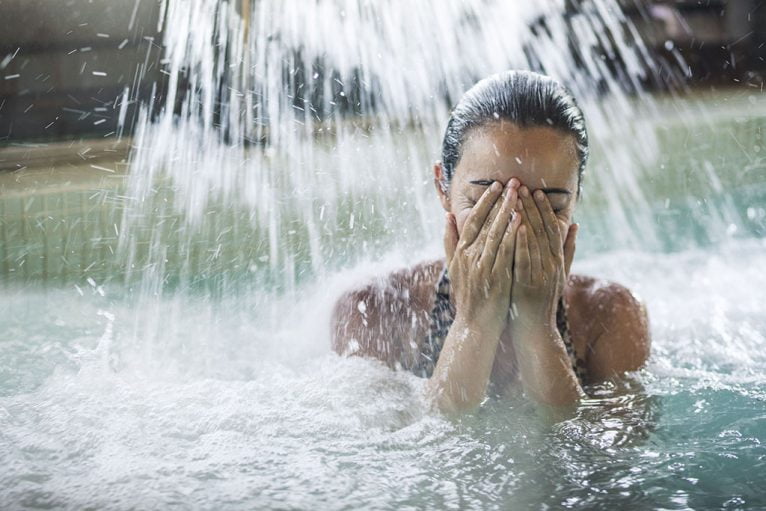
(479, 263)
(541, 262)
(541, 265)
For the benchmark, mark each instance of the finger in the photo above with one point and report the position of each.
(484, 232)
(521, 263)
(551, 223)
(569, 247)
(535, 265)
(535, 260)
(499, 225)
(478, 214)
(532, 213)
(489, 221)
(450, 237)
(505, 252)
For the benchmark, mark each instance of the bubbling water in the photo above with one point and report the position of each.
(225, 408)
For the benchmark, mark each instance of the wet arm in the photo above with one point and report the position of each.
(546, 369)
(460, 378)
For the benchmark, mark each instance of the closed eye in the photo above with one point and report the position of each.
(482, 182)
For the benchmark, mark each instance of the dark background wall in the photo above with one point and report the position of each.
(706, 43)
(66, 64)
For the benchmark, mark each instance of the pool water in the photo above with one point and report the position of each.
(110, 402)
(217, 387)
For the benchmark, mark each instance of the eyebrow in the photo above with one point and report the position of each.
(487, 182)
(556, 190)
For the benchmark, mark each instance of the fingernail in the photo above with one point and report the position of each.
(514, 182)
(496, 186)
(524, 191)
(539, 195)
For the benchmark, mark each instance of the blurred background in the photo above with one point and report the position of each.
(66, 64)
(81, 79)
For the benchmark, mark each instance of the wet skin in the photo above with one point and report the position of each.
(496, 262)
(540, 158)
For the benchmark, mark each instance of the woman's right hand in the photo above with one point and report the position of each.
(480, 258)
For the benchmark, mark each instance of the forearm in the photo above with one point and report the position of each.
(546, 369)
(460, 378)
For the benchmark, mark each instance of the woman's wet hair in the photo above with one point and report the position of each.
(524, 98)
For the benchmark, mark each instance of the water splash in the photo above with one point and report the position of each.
(296, 137)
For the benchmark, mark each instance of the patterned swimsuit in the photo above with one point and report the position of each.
(442, 316)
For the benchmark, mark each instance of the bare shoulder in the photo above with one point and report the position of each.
(386, 317)
(612, 325)
(602, 294)
(414, 285)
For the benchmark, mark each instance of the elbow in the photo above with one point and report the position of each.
(450, 407)
(453, 400)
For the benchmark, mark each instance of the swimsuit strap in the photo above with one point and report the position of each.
(443, 314)
(562, 324)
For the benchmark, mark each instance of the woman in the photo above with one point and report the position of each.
(502, 310)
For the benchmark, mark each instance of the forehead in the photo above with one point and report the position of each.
(537, 156)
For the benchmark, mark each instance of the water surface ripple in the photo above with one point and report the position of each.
(220, 411)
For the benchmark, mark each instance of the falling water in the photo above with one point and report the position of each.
(297, 137)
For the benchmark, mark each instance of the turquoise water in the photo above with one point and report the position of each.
(218, 388)
(119, 404)
(701, 182)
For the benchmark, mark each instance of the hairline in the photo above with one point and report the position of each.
(469, 132)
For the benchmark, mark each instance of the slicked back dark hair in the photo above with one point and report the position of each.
(525, 98)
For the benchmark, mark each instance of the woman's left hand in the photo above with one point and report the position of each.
(542, 261)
